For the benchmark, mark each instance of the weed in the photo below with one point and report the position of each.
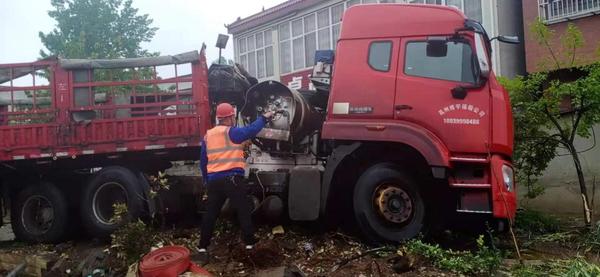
(131, 241)
(577, 267)
(533, 222)
(559, 237)
(580, 267)
(484, 260)
(119, 212)
(590, 241)
(530, 270)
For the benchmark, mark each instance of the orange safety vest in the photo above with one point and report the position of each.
(222, 153)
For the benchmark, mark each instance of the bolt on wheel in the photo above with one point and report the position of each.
(393, 203)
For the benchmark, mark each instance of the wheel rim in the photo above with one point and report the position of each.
(105, 197)
(393, 203)
(37, 215)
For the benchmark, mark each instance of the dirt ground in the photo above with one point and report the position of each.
(314, 253)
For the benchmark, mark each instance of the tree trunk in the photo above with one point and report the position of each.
(587, 210)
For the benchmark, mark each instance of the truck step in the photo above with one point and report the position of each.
(474, 186)
(467, 159)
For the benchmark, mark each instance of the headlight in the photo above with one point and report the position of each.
(508, 177)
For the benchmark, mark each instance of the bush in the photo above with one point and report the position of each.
(534, 222)
(485, 260)
(131, 241)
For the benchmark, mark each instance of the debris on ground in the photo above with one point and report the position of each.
(301, 251)
(24, 264)
(277, 230)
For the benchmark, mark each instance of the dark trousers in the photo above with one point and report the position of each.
(218, 191)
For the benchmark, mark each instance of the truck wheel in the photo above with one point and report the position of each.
(39, 214)
(388, 205)
(112, 185)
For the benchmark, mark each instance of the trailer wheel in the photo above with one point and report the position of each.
(39, 214)
(388, 205)
(112, 185)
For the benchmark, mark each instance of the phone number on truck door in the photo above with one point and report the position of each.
(461, 121)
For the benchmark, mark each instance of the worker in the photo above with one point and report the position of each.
(222, 163)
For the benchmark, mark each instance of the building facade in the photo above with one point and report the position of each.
(557, 14)
(279, 43)
(561, 194)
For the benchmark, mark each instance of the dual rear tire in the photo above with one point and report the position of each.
(111, 186)
(40, 213)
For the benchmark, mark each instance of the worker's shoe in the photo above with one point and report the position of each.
(200, 257)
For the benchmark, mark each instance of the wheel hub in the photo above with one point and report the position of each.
(393, 203)
(37, 215)
(105, 198)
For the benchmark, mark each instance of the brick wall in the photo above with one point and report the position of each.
(536, 54)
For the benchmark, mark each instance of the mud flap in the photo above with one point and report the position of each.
(304, 193)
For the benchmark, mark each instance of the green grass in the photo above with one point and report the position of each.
(484, 260)
(577, 267)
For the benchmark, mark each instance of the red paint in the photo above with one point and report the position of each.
(504, 202)
(417, 111)
(165, 261)
(304, 74)
(145, 127)
(169, 261)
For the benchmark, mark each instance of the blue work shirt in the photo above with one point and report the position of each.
(236, 135)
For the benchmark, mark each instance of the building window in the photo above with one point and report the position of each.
(255, 53)
(352, 3)
(380, 55)
(301, 37)
(471, 8)
(560, 10)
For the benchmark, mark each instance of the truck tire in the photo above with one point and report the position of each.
(112, 185)
(388, 206)
(39, 214)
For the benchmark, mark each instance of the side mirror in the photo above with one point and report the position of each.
(437, 47)
(507, 39)
(482, 58)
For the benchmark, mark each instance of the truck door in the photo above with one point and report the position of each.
(423, 94)
(365, 79)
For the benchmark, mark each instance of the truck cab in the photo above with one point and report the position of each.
(414, 90)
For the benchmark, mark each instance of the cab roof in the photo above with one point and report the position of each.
(399, 20)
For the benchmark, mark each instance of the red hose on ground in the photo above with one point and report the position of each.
(169, 261)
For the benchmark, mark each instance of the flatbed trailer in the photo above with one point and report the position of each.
(125, 116)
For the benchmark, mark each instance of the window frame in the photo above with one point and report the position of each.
(391, 52)
(276, 26)
(244, 57)
(565, 10)
(405, 51)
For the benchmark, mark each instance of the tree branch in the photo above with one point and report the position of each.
(556, 124)
(552, 54)
(576, 124)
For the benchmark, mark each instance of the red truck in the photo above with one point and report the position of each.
(408, 127)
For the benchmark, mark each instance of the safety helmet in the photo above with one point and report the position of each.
(225, 110)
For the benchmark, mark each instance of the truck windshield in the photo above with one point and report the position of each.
(457, 65)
